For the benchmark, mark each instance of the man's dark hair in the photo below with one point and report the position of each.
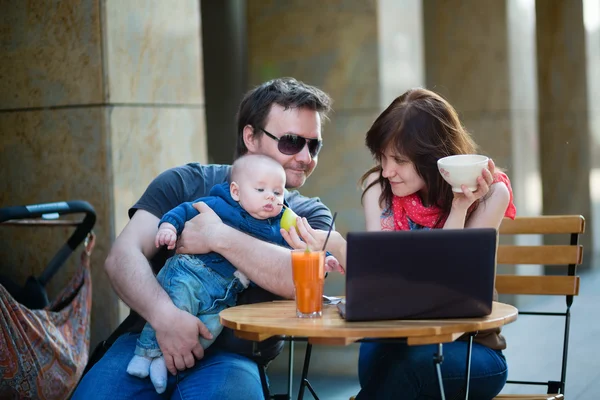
(288, 93)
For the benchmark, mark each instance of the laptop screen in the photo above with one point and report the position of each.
(419, 274)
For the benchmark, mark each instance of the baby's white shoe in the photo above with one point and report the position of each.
(139, 366)
(158, 374)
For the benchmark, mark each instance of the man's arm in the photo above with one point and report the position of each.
(132, 278)
(266, 264)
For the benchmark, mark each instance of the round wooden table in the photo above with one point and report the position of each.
(261, 321)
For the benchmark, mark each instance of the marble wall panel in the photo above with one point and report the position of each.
(466, 53)
(51, 156)
(51, 53)
(330, 44)
(161, 60)
(145, 141)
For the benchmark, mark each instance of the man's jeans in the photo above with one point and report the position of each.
(219, 375)
(196, 288)
(398, 371)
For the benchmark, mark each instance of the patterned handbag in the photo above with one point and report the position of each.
(44, 347)
(44, 352)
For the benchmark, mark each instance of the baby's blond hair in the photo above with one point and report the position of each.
(246, 164)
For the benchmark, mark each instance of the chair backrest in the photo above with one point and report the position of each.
(569, 255)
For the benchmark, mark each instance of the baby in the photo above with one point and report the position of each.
(206, 284)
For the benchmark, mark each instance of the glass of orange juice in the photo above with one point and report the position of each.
(308, 270)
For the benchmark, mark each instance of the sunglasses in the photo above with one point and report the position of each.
(293, 144)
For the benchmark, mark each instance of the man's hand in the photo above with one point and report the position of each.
(200, 231)
(177, 335)
(166, 235)
(314, 238)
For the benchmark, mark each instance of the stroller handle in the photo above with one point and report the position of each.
(61, 208)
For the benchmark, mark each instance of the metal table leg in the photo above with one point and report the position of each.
(290, 369)
(468, 377)
(304, 381)
(438, 358)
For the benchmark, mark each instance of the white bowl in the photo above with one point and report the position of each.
(462, 169)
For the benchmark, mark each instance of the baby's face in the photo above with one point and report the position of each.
(261, 192)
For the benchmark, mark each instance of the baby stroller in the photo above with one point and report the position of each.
(44, 345)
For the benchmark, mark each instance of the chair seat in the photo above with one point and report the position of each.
(529, 397)
(523, 397)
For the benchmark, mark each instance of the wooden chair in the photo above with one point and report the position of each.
(569, 255)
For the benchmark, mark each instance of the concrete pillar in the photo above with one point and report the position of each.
(591, 19)
(225, 72)
(563, 111)
(96, 98)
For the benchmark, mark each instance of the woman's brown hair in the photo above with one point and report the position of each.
(422, 126)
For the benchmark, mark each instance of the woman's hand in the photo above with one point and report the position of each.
(462, 201)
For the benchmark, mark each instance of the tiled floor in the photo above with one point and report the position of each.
(533, 352)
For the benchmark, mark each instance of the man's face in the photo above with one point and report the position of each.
(295, 121)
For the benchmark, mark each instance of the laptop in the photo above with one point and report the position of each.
(420, 274)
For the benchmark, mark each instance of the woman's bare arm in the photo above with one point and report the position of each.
(371, 206)
(489, 213)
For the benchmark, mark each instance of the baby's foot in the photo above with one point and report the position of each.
(158, 374)
(139, 366)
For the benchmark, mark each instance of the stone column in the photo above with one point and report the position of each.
(225, 63)
(96, 98)
(563, 116)
(591, 18)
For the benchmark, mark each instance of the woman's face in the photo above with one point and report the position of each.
(401, 173)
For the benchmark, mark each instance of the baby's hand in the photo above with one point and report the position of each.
(332, 264)
(166, 235)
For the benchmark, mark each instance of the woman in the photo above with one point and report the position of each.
(405, 191)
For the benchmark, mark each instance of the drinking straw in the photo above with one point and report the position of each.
(329, 232)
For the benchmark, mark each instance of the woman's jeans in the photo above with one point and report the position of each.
(196, 288)
(399, 371)
(219, 375)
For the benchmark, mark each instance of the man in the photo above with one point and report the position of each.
(281, 119)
